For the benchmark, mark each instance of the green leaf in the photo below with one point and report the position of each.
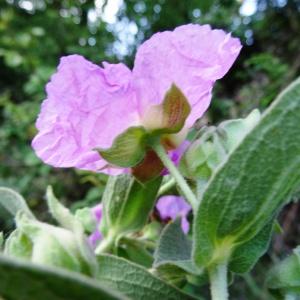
(11, 203)
(175, 248)
(285, 277)
(26, 281)
(135, 281)
(246, 256)
(252, 184)
(128, 148)
(127, 203)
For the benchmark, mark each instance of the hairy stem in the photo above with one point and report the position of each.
(185, 189)
(106, 245)
(218, 281)
(166, 187)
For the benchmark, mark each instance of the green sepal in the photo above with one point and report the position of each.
(159, 123)
(176, 109)
(169, 116)
(128, 148)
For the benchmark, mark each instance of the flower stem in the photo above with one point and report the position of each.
(166, 187)
(218, 282)
(105, 245)
(185, 189)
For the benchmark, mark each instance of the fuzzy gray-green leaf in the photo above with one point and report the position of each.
(11, 203)
(175, 248)
(26, 281)
(135, 281)
(245, 256)
(253, 183)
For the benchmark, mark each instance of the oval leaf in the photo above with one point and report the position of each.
(248, 189)
(135, 281)
(174, 248)
(26, 281)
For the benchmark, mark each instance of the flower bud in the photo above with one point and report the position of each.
(47, 245)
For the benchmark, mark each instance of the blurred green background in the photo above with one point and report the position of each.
(34, 34)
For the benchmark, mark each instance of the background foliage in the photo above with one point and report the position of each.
(35, 33)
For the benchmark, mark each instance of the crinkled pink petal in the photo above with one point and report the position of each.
(192, 56)
(171, 207)
(86, 107)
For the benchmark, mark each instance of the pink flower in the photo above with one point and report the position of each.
(171, 207)
(87, 106)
